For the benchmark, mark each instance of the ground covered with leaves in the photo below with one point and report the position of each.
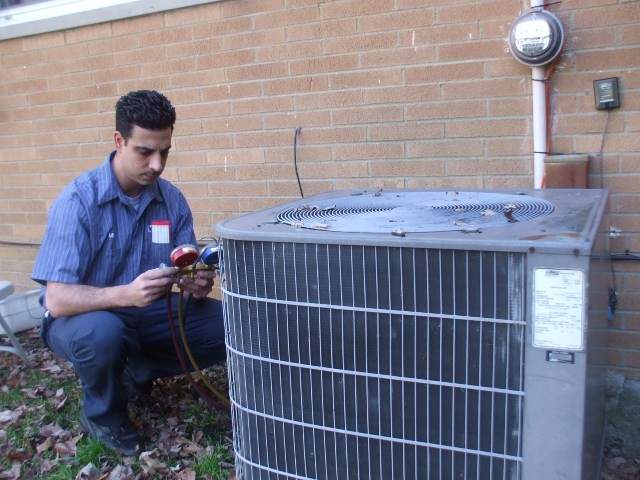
(41, 437)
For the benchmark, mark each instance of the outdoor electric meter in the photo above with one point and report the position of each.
(536, 38)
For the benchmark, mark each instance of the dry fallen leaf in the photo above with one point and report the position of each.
(186, 474)
(150, 463)
(11, 416)
(44, 446)
(13, 473)
(121, 472)
(88, 472)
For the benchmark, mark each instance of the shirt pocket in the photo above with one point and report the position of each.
(108, 258)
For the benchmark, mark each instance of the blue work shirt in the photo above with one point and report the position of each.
(98, 236)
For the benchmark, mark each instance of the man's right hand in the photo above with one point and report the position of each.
(151, 285)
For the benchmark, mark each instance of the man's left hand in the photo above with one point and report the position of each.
(199, 286)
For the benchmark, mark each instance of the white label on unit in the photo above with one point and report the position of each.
(558, 309)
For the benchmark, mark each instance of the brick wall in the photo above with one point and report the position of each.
(391, 93)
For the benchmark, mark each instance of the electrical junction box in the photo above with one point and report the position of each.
(607, 93)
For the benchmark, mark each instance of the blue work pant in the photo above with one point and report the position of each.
(101, 343)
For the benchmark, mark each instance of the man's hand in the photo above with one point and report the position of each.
(200, 286)
(151, 285)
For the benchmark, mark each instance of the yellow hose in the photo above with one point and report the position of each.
(219, 395)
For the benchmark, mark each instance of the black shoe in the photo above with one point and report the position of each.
(134, 391)
(124, 439)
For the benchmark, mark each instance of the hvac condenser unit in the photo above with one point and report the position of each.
(417, 335)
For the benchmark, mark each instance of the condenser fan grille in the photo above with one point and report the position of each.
(416, 212)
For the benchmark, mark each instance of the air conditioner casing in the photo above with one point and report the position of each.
(406, 351)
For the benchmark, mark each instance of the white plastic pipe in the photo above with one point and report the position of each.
(538, 94)
(539, 98)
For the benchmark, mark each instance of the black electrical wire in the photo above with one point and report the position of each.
(604, 135)
(18, 243)
(295, 157)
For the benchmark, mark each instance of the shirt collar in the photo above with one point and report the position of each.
(109, 188)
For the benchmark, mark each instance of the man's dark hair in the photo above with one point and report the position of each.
(145, 108)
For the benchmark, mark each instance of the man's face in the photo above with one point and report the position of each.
(140, 159)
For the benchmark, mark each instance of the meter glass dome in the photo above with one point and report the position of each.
(532, 37)
(536, 38)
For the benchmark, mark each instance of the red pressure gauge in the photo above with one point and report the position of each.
(184, 255)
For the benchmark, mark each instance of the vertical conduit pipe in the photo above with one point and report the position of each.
(538, 94)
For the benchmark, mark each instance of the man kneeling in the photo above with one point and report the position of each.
(108, 235)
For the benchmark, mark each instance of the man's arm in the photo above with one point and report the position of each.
(65, 299)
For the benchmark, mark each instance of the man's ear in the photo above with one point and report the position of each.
(119, 140)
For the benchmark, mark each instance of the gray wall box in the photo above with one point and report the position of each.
(390, 334)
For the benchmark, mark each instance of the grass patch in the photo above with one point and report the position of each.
(210, 464)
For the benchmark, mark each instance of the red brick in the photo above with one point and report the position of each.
(288, 16)
(253, 39)
(135, 25)
(296, 119)
(472, 51)
(84, 34)
(351, 8)
(356, 43)
(289, 51)
(235, 157)
(26, 86)
(325, 29)
(201, 110)
(501, 147)
(369, 78)
(206, 173)
(324, 64)
(437, 34)
(264, 171)
(281, 86)
(222, 27)
(333, 170)
(508, 182)
(265, 105)
(313, 136)
(197, 47)
(368, 151)
(368, 115)
(397, 56)
(401, 94)
(402, 20)
(408, 168)
(445, 182)
(608, 15)
(314, 153)
(446, 148)
(255, 72)
(191, 79)
(486, 88)
(202, 142)
(478, 11)
(232, 124)
(486, 128)
(249, 7)
(455, 109)
(259, 139)
(222, 92)
(443, 73)
(607, 59)
(406, 131)
(167, 67)
(225, 59)
(43, 40)
(195, 14)
(289, 188)
(238, 189)
(328, 100)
